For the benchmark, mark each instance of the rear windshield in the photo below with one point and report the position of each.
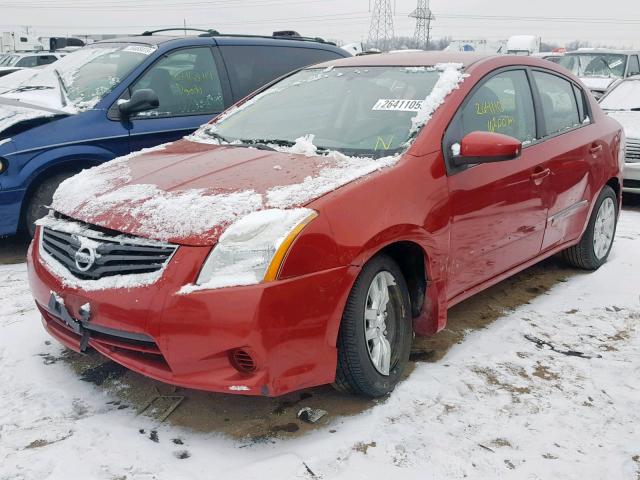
(610, 65)
(357, 111)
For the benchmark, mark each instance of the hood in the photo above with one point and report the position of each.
(630, 122)
(188, 192)
(599, 84)
(17, 116)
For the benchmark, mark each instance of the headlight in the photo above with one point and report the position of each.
(4, 165)
(252, 249)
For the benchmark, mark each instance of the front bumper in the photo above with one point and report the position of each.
(631, 182)
(10, 205)
(288, 327)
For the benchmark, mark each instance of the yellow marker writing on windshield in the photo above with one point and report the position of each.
(385, 146)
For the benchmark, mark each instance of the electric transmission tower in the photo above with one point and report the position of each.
(423, 17)
(381, 30)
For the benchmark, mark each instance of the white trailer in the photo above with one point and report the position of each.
(523, 45)
(16, 41)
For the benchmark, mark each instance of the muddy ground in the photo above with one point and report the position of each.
(260, 419)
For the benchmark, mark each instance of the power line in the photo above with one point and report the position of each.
(381, 30)
(423, 16)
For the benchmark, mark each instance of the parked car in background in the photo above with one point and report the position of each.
(118, 96)
(622, 102)
(550, 56)
(598, 68)
(13, 62)
(304, 235)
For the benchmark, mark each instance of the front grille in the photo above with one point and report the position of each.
(631, 183)
(633, 151)
(93, 255)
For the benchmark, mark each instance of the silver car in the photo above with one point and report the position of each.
(598, 68)
(622, 102)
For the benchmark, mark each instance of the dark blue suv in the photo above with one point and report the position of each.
(118, 96)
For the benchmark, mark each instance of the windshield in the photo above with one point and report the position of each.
(595, 64)
(357, 111)
(625, 96)
(87, 75)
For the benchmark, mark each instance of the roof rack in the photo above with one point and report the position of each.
(281, 35)
(204, 33)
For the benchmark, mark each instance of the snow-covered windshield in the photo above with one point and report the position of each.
(595, 64)
(357, 111)
(87, 75)
(625, 96)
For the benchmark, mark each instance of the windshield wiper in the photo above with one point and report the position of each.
(240, 143)
(257, 145)
(28, 88)
(217, 136)
(63, 88)
(635, 109)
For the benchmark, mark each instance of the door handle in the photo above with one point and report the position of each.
(595, 149)
(538, 176)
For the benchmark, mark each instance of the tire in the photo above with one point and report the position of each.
(590, 254)
(357, 371)
(41, 198)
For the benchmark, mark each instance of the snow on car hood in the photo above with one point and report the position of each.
(187, 192)
(599, 84)
(630, 121)
(13, 112)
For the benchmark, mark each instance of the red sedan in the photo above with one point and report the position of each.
(305, 235)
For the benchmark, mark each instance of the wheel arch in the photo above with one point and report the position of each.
(415, 252)
(72, 164)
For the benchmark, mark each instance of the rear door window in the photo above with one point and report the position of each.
(186, 82)
(251, 67)
(27, 62)
(46, 59)
(634, 66)
(560, 110)
(501, 104)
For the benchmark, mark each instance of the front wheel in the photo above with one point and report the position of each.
(594, 247)
(375, 335)
(41, 198)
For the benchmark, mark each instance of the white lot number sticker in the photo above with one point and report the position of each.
(398, 105)
(139, 49)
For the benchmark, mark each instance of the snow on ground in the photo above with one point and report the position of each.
(549, 391)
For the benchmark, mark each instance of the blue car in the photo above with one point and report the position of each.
(119, 96)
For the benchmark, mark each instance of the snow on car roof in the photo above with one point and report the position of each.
(410, 59)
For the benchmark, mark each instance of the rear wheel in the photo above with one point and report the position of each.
(376, 332)
(594, 247)
(41, 198)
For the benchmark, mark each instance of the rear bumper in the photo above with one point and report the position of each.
(631, 182)
(288, 327)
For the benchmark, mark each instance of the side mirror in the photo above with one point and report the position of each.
(486, 147)
(141, 101)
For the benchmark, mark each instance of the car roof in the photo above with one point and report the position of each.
(602, 50)
(226, 39)
(411, 59)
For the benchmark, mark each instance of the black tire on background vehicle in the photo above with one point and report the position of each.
(375, 335)
(41, 198)
(596, 242)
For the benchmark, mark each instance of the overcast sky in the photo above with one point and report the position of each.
(615, 22)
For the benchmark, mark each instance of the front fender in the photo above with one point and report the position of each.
(73, 156)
